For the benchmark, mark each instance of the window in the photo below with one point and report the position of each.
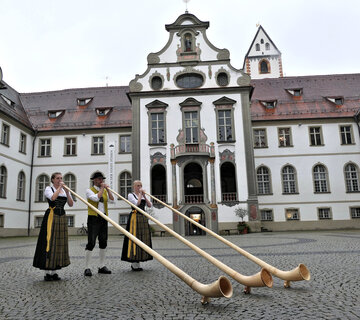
(125, 144)
(123, 218)
(191, 127)
(83, 101)
(295, 92)
(41, 183)
(263, 180)
(158, 183)
(22, 143)
(157, 128)
(70, 146)
(264, 66)
(346, 134)
(55, 114)
(269, 104)
(21, 187)
(355, 212)
(228, 182)
(8, 101)
(267, 46)
(352, 178)
(320, 177)
(102, 111)
(315, 136)
(70, 221)
(260, 140)
(266, 215)
(189, 80)
(324, 213)
(125, 184)
(3, 181)
(70, 181)
(156, 83)
(5, 133)
(1, 221)
(222, 79)
(289, 180)
(98, 145)
(284, 137)
(257, 47)
(225, 126)
(45, 147)
(188, 43)
(292, 214)
(38, 222)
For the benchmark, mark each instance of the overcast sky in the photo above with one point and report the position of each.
(53, 45)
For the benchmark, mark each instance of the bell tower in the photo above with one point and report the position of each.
(263, 59)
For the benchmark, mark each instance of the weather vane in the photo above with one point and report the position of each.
(186, 1)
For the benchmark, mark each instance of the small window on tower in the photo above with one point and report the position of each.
(267, 46)
(257, 46)
(264, 66)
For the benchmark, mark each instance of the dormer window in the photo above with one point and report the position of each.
(83, 101)
(295, 92)
(271, 104)
(55, 114)
(339, 101)
(103, 111)
(8, 101)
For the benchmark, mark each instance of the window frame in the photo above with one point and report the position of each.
(293, 210)
(315, 136)
(44, 184)
(288, 181)
(227, 108)
(345, 136)
(321, 182)
(5, 134)
(99, 145)
(46, 148)
(22, 143)
(125, 189)
(259, 137)
(354, 208)
(3, 181)
(330, 217)
(71, 145)
(264, 183)
(157, 129)
(353, 180)
(20, 188)
(262, 216)
(193, 129)
(280, 135)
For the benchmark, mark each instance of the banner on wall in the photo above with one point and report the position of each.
(111, 164)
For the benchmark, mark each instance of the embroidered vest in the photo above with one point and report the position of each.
(91, 212)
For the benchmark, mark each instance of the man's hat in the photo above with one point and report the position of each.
(97, 175)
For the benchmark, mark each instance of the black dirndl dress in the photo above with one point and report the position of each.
(139, 227)
(52, 250)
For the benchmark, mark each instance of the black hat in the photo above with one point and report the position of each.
(97, 175)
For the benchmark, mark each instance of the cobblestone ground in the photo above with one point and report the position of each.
(156, 293)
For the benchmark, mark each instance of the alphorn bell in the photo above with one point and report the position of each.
(261, 279)
(301, 272)
(220, 288)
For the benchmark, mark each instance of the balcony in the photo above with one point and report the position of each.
(194, 198)
(157, 204)
(192, 149)
(229, 197)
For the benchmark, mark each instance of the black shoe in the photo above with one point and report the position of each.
(104, 270)
(87, 273)
(55, 277)
(48, 277)
(136, 269)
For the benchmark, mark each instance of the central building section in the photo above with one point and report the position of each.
(192, 141)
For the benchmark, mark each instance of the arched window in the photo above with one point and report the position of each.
(188, 42)
(288, 174)
(257, 47)
(70, 181)
(3, 181)
(41, 183)
(125, 186)
(264, 66)
(158, 182)
(320, 177)
(20, 195)
(267, 46)
(228, 182)
(352, 178)
(263, 180)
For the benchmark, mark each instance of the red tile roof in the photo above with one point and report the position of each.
(37, 106)
(312, 103)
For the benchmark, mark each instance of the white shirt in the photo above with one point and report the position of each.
(133, 200)
(93, 197)
(49, 193)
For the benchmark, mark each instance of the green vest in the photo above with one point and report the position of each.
(92, 212)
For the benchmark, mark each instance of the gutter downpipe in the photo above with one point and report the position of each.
(30, 186)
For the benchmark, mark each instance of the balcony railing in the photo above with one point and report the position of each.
(194, 198)
(229, 196)
(192, 149)
(161, 197)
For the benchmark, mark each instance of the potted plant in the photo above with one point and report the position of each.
(242, 227)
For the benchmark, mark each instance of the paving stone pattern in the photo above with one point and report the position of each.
(333, 292)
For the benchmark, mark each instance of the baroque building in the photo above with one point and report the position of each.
(203, 136)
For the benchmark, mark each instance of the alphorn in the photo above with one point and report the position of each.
(261, 279)
(219, 288)
(301, 272)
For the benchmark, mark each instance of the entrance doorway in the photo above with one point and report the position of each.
(198, 215)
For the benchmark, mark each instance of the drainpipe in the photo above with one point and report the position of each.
(357, 119)
(30, 186)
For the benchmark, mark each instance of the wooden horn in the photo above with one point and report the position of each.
(220, 288)
(261, 279)
(301, 272)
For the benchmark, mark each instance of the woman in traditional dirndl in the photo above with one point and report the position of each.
(139, 227)
(52, 250)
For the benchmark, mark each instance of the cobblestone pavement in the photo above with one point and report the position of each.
(333, 258)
